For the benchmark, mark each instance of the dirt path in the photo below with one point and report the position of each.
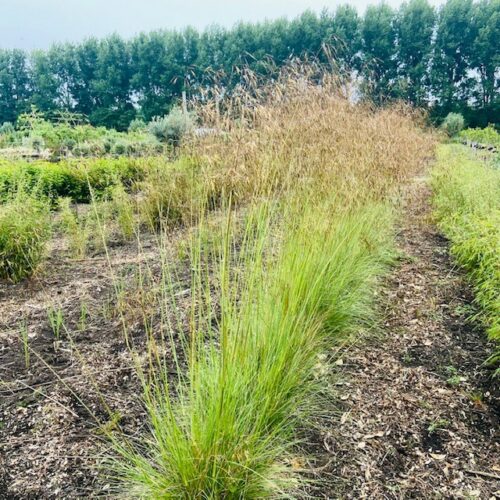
(420, 414)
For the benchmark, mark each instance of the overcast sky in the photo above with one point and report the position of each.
(30, 24)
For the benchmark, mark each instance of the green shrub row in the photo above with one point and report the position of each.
(170, 193)
(467, 207)
(487, 136)
(75, 180)
(71, 137)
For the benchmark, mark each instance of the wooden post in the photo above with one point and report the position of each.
(184, 103)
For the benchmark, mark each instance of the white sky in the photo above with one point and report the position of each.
(30, 24)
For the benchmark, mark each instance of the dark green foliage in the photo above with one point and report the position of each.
(414, 25)
(379, 48)
(447, 59)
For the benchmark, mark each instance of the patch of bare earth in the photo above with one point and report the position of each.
(419, 413)
(53, 410)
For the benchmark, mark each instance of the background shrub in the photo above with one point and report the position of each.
(43, 179)
(137, 125)
(173, 127)
(453, 124)
(487, 136)
(72, 179)
(6, 128)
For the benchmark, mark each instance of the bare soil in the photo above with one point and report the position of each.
(416, 417)
(52, 411)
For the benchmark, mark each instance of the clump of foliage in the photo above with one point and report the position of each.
(35, 142)
(453, 124)
(42, 179)
(73, 137)
(488, 136)
(173, 127)
(77, 180)
(137, 125)
(24, 231)
(467, 206)
(123, 210)
(71, 225)
(7, 128)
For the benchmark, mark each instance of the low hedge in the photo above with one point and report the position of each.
(69, 179)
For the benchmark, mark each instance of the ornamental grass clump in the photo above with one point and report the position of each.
(24, 232)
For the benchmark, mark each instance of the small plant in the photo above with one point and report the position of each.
(56, 321)
(120, 148)
(82, 149)
(123, 209)
(455, 380)
(69, 144)
(7, 128)
(137, 125)
(111, 425)
(477, 398)
(35, 142)
(453, 124)
(82, 321)
(436, 425)
(72, 227)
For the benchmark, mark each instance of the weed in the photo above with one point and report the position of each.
(56, 321)
(71, 224)
(123, 210)
(437, 425)
(82, 321)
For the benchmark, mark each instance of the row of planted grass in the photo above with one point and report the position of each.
(230, 427)
(316, 174)
(467, 207)
(75, 179)
(487, 136)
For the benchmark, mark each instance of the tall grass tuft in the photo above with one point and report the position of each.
(228, 431)
(24, 231)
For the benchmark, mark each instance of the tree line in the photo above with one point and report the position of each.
(445, 59)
